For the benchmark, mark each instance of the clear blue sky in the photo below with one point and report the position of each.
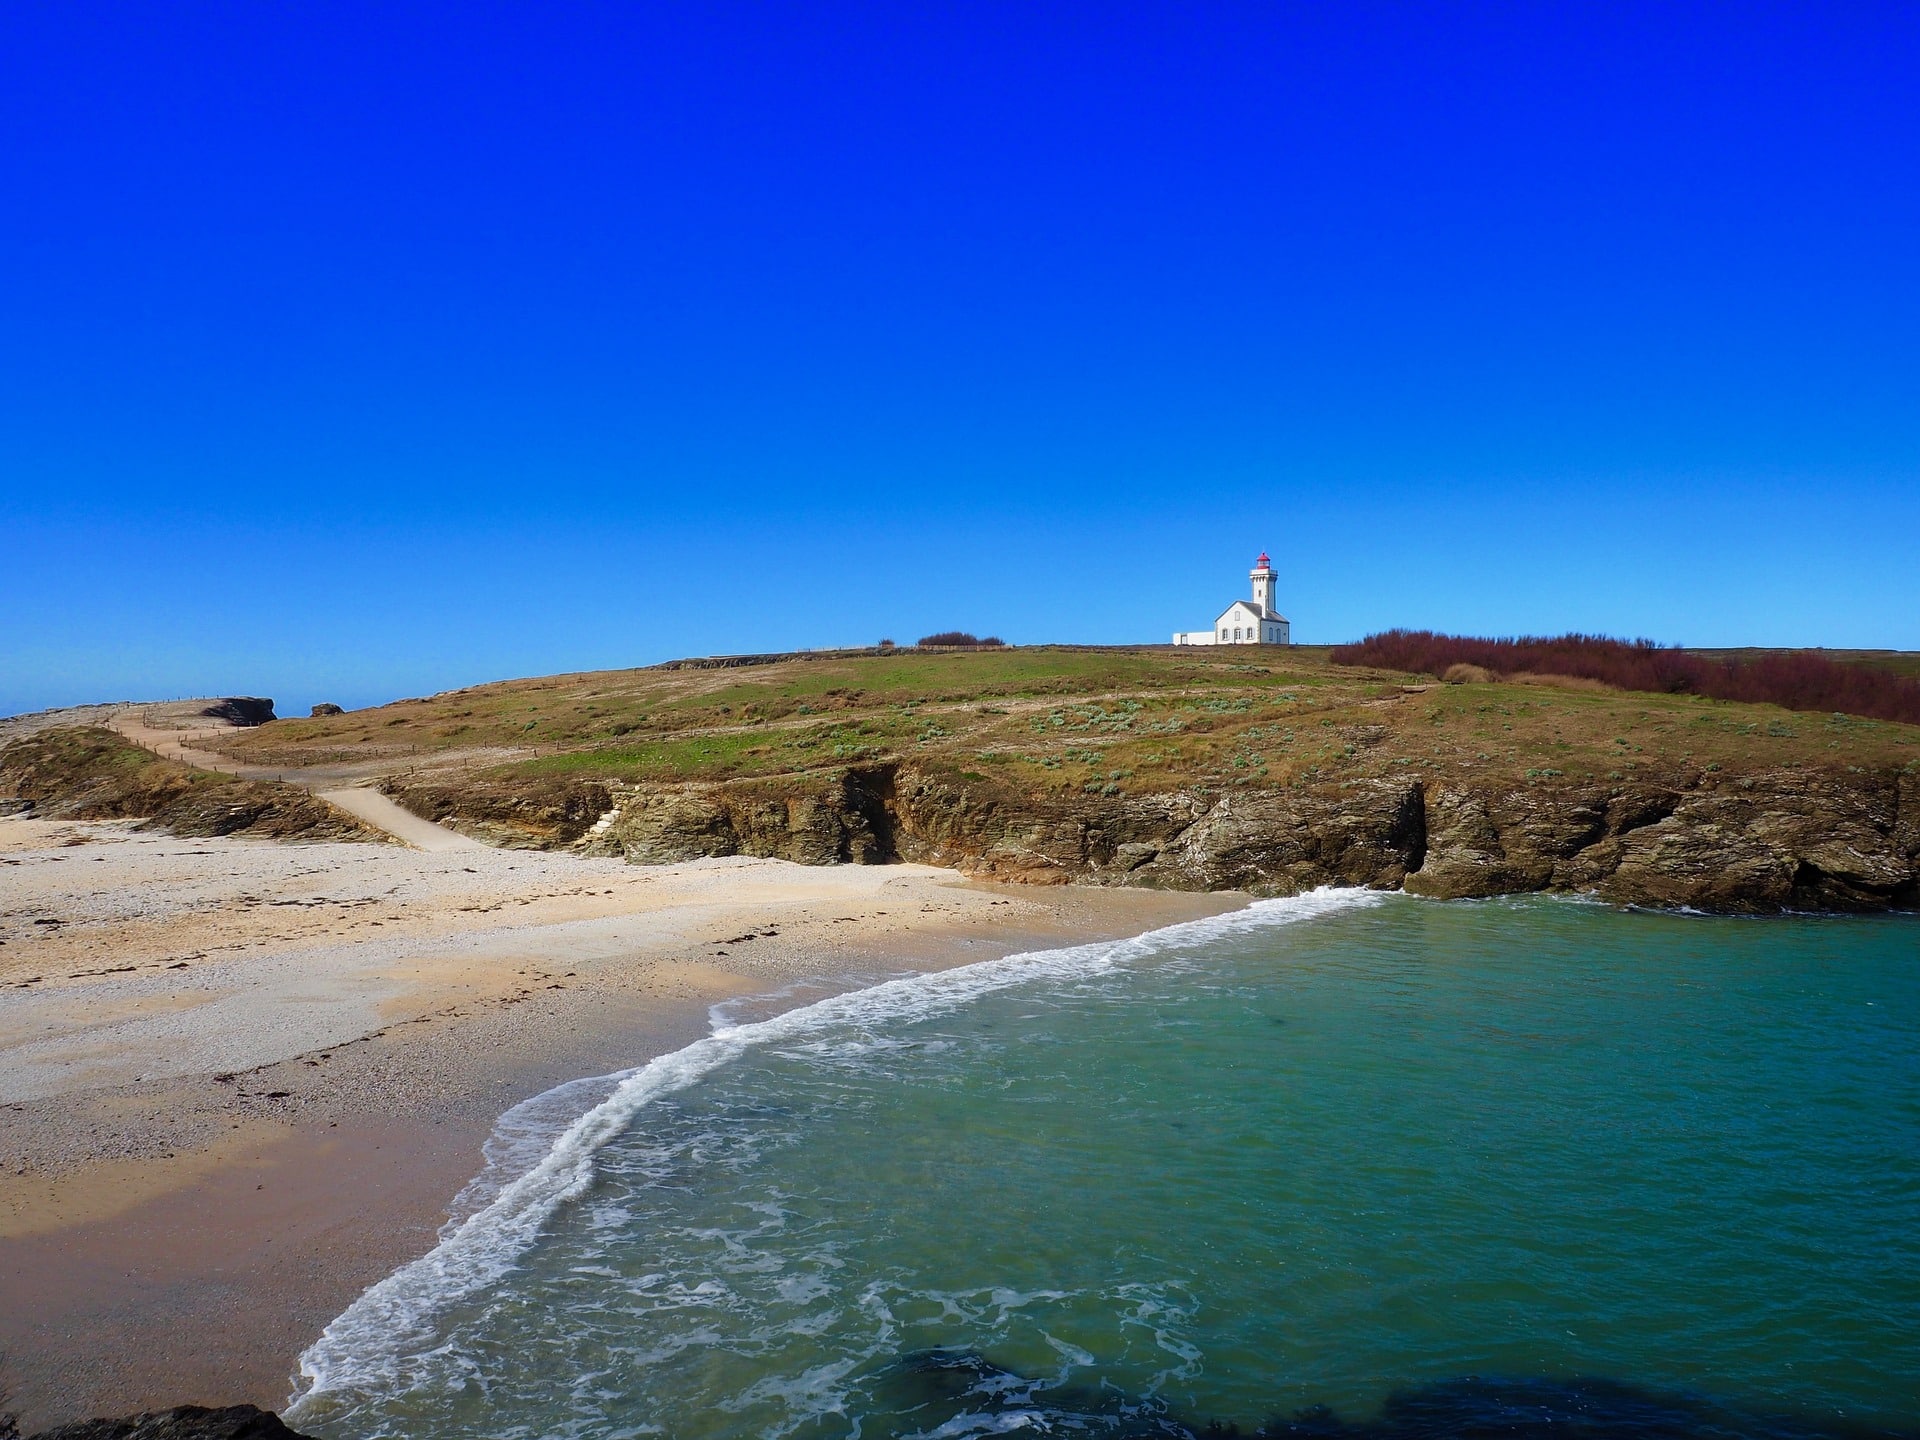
(356, 351)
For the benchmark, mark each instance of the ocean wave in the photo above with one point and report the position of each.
(532, 1171)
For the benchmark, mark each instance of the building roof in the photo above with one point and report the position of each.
(1253, 609)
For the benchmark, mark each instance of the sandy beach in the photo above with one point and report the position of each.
(241, 1080)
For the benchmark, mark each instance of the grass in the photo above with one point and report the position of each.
(1073, 720)
(723, 754)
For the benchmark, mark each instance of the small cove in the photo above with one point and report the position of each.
(1343, 1160)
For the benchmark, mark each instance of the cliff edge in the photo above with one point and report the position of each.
(1266, 770)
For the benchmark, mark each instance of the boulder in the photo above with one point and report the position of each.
(247, 710)
(185, 1422)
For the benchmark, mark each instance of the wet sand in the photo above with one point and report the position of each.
(240, 1081)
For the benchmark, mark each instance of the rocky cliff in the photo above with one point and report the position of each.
(1799, 839)
(523, 814)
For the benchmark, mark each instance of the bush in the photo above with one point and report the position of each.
(961, 637)
(1792, 679)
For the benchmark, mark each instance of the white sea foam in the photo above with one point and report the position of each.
(523, 1136)
(501, 1213)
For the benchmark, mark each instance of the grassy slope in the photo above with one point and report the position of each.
(1055, 718)
(91, 773)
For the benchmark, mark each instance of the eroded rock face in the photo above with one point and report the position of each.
(1782, 840)
(833, 819)
(1804, 843)
(538, 813)
(1786, 841)
(1494, 841)
(1272, 842)
(1366, 832)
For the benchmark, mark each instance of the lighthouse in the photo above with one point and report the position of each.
(1247, 622)
(1262, 577)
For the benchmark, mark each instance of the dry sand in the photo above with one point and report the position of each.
(240, 1080)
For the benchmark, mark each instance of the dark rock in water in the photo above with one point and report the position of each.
(327, 707)
(241, 710)
(963, 1389)
(186, 1422)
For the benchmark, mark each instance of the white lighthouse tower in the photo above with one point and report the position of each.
(1246, 622)
(1262, 577)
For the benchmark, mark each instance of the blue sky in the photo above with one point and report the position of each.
(357, 351)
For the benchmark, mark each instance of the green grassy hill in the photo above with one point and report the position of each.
(1270, 771)
(1063, 719)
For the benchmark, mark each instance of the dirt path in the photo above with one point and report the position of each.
(363, 802)
(151, 732)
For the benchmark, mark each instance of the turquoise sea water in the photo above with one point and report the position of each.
(1351, 1162)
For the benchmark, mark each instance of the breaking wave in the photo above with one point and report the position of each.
(542, 1152)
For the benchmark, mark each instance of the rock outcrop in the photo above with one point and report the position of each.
(1795, 840)
(1790, 840)
(1365, 832)
(186, 1422)
(834, 818)
(534, 813)
(243, 710)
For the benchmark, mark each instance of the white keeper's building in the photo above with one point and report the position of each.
(1246, 622)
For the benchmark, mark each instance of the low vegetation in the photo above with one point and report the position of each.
(1054, 720)
(1792, 679)
(90, 773)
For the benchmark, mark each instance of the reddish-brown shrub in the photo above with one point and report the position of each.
(1793, 679)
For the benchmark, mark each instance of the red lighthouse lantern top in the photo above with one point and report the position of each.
(1263, 563)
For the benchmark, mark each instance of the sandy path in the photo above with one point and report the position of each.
(144, 726)
(240, 1080)
(363, 802)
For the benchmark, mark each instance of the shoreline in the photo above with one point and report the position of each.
(180, 1236)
